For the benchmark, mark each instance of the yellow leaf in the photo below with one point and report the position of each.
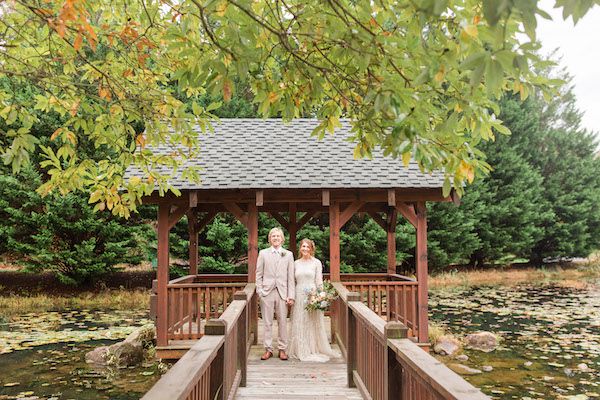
(74, 108)
(221, 8)
(71, 137)
(439, 77)
(406, 158)
(95, 196)
(273, 97)
(227, 89)
(140, 140)
(56, 133)
(471, 30)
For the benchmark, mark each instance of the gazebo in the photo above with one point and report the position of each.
(249, 166)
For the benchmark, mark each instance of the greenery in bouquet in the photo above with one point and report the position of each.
(320, 298)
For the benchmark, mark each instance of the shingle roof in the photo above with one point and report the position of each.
(267, 154)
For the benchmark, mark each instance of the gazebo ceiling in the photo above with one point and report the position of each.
(269, 154)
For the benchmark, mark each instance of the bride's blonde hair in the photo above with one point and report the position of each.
(310, 244)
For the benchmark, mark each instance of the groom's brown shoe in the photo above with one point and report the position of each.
(282, 355)
(267, 355)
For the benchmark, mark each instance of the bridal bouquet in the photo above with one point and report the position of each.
(321, 298)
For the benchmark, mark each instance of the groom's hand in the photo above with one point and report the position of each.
(290, 302)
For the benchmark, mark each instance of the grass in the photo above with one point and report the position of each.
(580, 276)
(107, 300)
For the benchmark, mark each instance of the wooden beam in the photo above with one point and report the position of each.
(176, 215)
(162, 274)
(210, 215)
(307, 217)
(252, 241)
(237, 212)
(378, 218)
(408, 212)
(350, 211)
(391, 241)
(282, 221)
(193, 241)
(193, 199)
(325, 198)
(316, 196)
(391, 197)
(259, 198)
(421, 258)
(334, 241)
(293, 228)
(252, 261)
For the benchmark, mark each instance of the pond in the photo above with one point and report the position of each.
(550, 338)
(42, 356)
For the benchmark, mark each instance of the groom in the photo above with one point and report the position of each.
(276, 286)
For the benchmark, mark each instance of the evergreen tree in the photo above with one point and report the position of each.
(62, 233)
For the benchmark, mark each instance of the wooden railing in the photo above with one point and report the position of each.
(393, 300)
(194, 299)
(383, 363)
(216, 364)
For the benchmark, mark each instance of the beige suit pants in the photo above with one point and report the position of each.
(269, 305)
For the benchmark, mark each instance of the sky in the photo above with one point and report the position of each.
(580, 50)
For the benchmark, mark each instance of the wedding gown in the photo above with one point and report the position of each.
(308, 338)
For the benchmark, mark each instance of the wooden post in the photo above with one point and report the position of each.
(293, 230)
(334, 241)
(392, 381)
(243, 337)
(162, 274)
(193, 241)
(217, 369)
(252, 241)
(351, 338)
(252, 260)
(391, 241)
(421, 257)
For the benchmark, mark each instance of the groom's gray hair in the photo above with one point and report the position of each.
(276, 229)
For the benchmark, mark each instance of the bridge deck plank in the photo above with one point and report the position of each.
(293, 379)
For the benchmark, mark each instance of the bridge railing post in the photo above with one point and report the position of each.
(217, 371)
(351, 345)
(393, 370)
(242, 339)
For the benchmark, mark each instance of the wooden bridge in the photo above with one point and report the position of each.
(380, 321)
(379, 356)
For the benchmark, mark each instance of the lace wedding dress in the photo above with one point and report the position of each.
(308, 338)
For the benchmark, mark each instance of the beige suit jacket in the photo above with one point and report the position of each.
(276, 271)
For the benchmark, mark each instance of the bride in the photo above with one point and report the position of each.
(308, 340)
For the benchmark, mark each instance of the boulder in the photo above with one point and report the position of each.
(462, 357)
(483, 341)
(446, 345)
(463, 369)
(144, 336)
(97, 356)
(487, 368)
(124, 354)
